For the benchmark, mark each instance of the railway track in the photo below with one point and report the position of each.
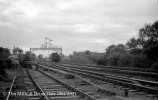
(113, 67)
(148, 77)
(121, 78)
(32, 89)
(11, 86)
(92, 87)
(50, 87)
(58, 87)
(80, 86)
(137, 87)
(118, 70)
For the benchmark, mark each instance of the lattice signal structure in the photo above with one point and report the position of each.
(48, 46)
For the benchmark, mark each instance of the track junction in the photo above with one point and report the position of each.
(65, 81)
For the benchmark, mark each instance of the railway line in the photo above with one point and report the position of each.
(117, 70)
(122, 78)
(113, 67)
(59, 82)
(125, 79)
(82, 86)
(45, 85)
(32, 92)
(11, 86)
(146, 87)
(51, 88)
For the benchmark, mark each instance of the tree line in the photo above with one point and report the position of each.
(139, 52)
(4, 54)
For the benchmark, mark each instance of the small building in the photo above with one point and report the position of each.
(17, 50)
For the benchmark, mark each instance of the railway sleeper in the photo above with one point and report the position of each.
(57, 90)
(152, 96)
(69, 76)
(106, 91)
(34, 98)
(65, 97)
(71, 88)
(83, 83)
(138, 89)
(124, 85)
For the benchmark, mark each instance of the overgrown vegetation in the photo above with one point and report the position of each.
(11, 61)
(87, 57)
(55, 57)
(139, 52)
(29, 56)
(4, 54)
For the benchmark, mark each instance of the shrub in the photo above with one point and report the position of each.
(136, 51)
(125, 60)
(55, 57)
(140, 61)
(155, 66)
(81, 59)
(113, 58)
(102, 61)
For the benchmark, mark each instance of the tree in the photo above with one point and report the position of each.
(116, 48)
(140, 61)
(87, 52)
(149, 33)
(136, 51)
(134, 43)
(113, 53)
(55, 57)
(125, 60)
(4, 54)
(102, 61)
(113, 58)
(110, 49)
(29, 56)
(149, 39)
(21, 58)
(120, 48)
(40, 56)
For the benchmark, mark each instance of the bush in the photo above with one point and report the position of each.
(81, 59)
(102, 61)
(87, 57)
(113, 58)
(155, 66)
(55, 57)
(125, 60)
(136, 51)
(140, 61)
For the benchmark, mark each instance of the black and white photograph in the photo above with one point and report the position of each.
(78, 49)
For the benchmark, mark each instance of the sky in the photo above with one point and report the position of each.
(76, 25)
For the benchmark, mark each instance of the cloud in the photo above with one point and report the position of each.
(75, 24)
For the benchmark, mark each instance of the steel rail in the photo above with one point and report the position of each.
(95, 85)
(115, 69)
(122, 68)
(69, 87)
(119, 77)
(11, 86)
(112, 80)
(120, 81)
(45, 96)
(127, 79)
